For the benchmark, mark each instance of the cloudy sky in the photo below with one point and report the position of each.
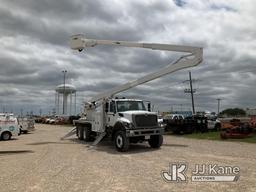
(34, 50)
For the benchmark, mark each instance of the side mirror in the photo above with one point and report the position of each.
(149, 106)
(106, 107)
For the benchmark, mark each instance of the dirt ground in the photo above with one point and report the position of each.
(40, 161)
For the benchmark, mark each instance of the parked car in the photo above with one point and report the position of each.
(213, 123)
(177, 124)
(173, 116)
(160, 120)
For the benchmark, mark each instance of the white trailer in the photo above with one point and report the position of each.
(126, 120)
(8, 126)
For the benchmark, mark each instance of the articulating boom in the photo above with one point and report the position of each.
(195, 56)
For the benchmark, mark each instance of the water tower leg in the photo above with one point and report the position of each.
(70, 110)
(75, 103)
(65, 97)
(58, 103)
(55, 101)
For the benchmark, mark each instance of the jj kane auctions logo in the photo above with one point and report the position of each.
(201, 173)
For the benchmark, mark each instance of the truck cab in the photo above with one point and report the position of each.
(132, 114)
(125, 121)
(8, 126)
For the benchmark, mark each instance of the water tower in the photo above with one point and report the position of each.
(64, 99)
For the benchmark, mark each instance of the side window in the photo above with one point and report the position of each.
(112, 107)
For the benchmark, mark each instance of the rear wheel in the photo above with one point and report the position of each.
(87, 134)
(80, 133)
(6, 136)
(121, 141)
(155, 141)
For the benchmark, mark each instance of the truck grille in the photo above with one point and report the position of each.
(145, 121)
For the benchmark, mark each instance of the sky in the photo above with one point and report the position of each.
(34, 51)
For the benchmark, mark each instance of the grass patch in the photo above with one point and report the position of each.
(216, 136)
(207, 135)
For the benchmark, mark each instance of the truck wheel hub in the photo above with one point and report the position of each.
(119, 141)
(6, 136)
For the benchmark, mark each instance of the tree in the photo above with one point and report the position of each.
(233, 112)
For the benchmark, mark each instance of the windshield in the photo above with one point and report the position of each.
(130, 106)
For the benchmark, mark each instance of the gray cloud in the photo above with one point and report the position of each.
(34, 50)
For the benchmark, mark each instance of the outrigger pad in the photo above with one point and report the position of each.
(99, 138)
(70, 133)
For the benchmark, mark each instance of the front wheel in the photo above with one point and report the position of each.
(6, 136)
(155, 141)
(121, 141)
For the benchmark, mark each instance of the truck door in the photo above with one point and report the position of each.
(111, 115)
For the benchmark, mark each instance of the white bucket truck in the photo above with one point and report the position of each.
(126, 120)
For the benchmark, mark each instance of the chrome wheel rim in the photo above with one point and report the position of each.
(119, 141)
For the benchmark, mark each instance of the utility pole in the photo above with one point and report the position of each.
(191, 92)
(64, 72)
(219, 105)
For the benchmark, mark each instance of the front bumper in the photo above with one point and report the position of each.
(144, 132)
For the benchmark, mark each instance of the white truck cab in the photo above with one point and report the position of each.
(8, 126)
(133, 115)
(124, 120)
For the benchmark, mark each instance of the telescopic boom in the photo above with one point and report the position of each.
(193, 58)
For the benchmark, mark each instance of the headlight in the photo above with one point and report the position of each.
(128, 125)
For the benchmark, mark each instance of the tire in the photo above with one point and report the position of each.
(122, 143)
(87, 134)
(80, 134)
(155, 141)
(26, 131)
(6, 136)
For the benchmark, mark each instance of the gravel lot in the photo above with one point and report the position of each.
(40, 161)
